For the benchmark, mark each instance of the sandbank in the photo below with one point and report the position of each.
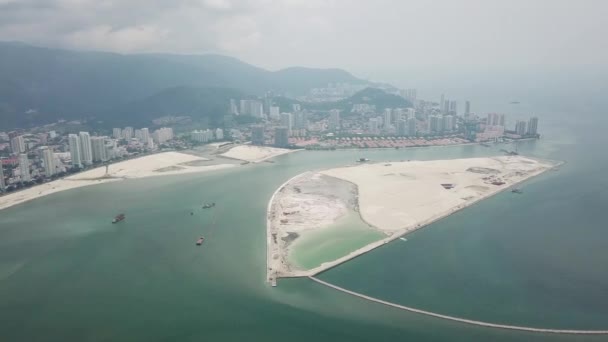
(255, 154)
(160, 164)
(394, 198)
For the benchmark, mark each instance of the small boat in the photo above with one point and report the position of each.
(517, 191)
(209, 205)
(118, 218)
(403, 239)
(200, 241)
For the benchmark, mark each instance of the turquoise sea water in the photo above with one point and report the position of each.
(346, 235)
(67, 274)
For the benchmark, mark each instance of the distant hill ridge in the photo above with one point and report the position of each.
(67, 84)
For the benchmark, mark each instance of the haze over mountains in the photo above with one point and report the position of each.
(40, 85)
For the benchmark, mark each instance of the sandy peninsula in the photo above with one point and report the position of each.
(167, 163)
(254, 154)
(395, 198)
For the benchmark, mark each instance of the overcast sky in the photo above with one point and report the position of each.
(364, 37)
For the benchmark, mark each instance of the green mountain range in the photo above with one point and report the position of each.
(40, 85)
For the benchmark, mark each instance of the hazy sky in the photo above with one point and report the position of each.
(365, 37)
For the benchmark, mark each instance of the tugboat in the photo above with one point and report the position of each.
(209, 205)
(200, 241)
(118, 218)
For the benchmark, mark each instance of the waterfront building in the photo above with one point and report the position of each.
(520, 128)
(162, 135)
(495, 119)
(74, 143)
(18, 144)
(387, 118)
(128, 133)
(48, 158)
(24, 168)
(117, 133)
(2, 183)
(411, 127)
(334, 120)
(301, 120)
(448, 123)
(257, 135)
(281, 136)
(373, 125)
(219, 134)
(145, 135)
(98, 146)
(533, 126)
(86, 153)
(287, 121)
(402, 128)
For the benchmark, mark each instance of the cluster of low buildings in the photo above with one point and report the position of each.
(427, 120)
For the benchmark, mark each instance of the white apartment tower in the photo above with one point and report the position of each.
(86, 153)
(74, 143)
(24, 168)
(49, 162)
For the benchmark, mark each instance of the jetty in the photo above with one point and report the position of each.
(461, 320)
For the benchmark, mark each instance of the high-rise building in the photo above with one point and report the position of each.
(48, 157)
(219, 134)
(287, 121)
(435, 123)
(373, 125)
(117, 133)
(533, 126)
(442, 103)
(86, 153)
(233, 107)
(448, 123)
(162, 135)
(254, 108)
(275, 112)
(128, 133)
(281, 137)
(334, 120)
(387, 118)
(495, 119)
(145, 135)
(2, 183)
(296, 107)
(24, 168)
(18, 144)
(301, 120)
(257, 135)
(453, 108)
(411, 113)
(411, 127)
(520, 128)
(74, 143)
(402, 128)
(467, 108)
(98, 146)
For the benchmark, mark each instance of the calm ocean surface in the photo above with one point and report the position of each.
(536, 259)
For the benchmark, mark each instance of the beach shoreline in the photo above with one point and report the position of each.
(151, 165)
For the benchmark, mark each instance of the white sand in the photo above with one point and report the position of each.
(398, 198)
(147, 166)
(255, 154)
